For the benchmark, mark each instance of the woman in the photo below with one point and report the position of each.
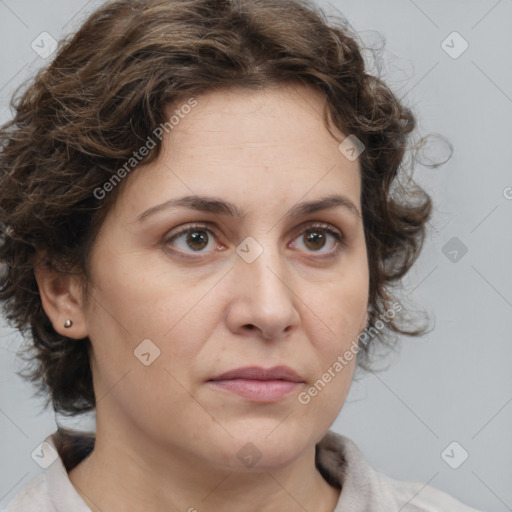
(200, 235)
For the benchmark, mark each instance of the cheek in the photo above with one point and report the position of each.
(177, 320)
(143, 296)
(342, 307)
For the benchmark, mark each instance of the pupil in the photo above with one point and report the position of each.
(197, 237)
(315, 236)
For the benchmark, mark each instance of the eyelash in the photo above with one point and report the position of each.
(338, 236)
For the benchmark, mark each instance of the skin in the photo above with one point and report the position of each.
(166, 439)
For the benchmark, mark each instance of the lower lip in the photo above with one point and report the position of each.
(258, 390)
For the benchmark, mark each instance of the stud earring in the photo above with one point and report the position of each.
(68, 323)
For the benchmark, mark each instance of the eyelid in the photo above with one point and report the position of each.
(190, 227)
(318, 224)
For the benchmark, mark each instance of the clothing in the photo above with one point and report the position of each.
(338, 459)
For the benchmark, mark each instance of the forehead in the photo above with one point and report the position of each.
(244, 118)
(245, 144)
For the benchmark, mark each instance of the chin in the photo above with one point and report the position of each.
(266, 445)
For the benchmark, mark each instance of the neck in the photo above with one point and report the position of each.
(121, 474)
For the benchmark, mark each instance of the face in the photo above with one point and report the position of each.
(213, 289)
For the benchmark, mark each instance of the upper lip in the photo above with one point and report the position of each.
(259, 373)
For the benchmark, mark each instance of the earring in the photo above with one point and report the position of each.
(68, 323)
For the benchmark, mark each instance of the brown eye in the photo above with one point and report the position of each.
(192, 239)
(196, 239)
(316, 238)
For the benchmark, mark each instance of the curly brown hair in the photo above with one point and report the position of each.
(107, 89)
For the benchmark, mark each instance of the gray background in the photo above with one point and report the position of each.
(453, 384)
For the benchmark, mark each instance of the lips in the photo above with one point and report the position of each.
(258, 373)
(257, 384)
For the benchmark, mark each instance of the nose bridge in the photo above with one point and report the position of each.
(264, 287)
(263, 272)
(266, 273)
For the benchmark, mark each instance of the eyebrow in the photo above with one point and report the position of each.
(219, 206)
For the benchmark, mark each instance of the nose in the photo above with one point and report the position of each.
(262, 299)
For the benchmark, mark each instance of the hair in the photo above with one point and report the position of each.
(108, 88)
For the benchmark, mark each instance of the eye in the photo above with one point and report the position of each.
(317, 237)
(199, 238)
(193, 238)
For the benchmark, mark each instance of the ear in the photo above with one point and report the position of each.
(61, 297)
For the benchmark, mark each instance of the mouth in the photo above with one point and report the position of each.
(258, 384)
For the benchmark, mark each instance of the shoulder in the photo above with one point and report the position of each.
(342, 464)
(34, 493)
(52, 491)
(421, 497)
